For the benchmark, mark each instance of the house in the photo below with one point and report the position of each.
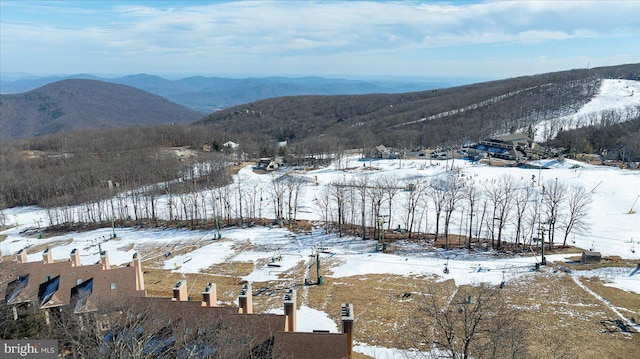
(509, 147)
(50, 284)
(115, 301)
(230, 144)
(186, 326)
(590, 257)
(382, 151)
(269, 164)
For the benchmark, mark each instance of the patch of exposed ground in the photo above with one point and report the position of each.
(566, 320)
(383, 304)
(52, 244)
(563, 319)
(628, 303)
(605, 262)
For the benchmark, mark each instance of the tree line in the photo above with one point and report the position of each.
(489, 209)
(86, 166)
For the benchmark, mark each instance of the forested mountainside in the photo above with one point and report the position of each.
(83, 104)
(207, 94)
(76, 167)
(86, 165)
(449, 116)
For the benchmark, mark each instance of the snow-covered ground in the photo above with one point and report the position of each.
(614, 229)
(619, 95)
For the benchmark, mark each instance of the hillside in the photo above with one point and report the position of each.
(85, 104)
(449, 116)
(207, 94)
(591, 309)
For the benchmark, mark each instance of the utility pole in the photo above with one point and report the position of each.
(113, 226)
(38, 222)
(318, 267)
(543, 261)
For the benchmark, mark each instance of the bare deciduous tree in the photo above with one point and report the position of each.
(578, 201)
(521, 197)
(437, 191)
(472, 197)
(415, 190)
(453, 195)
(477, 322)
(553, 196)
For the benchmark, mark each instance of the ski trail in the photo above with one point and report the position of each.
(629, 323)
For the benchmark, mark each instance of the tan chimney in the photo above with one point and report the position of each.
(347, 326)
(180, 291)
(75, 258)
(210, 296)
(104, 260)
(139, 274)
(47, 256)
(290, 311)
(22, 256)
(245, 300)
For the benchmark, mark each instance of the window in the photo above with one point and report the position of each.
(78, 281)
(113, 285)
(104, 325)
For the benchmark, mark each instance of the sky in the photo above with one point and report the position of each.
(346, 39)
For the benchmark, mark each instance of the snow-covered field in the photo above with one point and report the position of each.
(614, 231)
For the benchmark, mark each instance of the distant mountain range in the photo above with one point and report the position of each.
(81, 104)
(208, 94)
(439, 117)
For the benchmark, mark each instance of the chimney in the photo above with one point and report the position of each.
(104, 260)
(245, 300)
(75, 258)
(290, 311)
(209, 296)
(47, 256)
(22, 255)
(347, 326)
(139, 274)
(180, 292)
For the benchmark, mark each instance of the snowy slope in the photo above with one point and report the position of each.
(612, 230)
(613, 227)
(614, 95)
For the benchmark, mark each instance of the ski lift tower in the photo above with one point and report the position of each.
(319, 280)
(381, 245)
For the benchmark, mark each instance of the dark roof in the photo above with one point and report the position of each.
(40, 286)
(516, 137)
(591, 254)
(310, 345)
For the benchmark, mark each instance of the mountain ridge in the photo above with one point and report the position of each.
(439, 117)
(207, 94)
(74, 104)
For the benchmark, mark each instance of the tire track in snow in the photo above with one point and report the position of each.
(604, 301)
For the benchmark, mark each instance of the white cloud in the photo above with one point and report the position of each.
(265, 31)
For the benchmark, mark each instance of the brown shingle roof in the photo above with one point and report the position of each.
(107, 285)
(310, 345)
